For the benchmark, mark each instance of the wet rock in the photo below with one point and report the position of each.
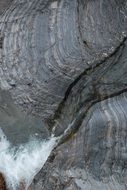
(2, 183)
(65, 62)
(19, 127)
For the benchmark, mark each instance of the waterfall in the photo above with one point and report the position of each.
(20, 164)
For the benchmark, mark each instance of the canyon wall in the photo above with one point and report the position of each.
(65, 62)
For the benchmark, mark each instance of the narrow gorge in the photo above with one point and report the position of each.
(63, 94)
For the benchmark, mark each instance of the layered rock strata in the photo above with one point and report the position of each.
(65, 61)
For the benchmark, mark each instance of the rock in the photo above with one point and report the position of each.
(17, 126)
(65, 62)
(4, 5)
(34, 50)
(2, 183)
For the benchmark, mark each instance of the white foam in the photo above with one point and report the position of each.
(23, 164)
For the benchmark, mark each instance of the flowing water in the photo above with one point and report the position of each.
(25, 144)
(20, 164)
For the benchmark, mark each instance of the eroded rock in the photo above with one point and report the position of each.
(65, 61)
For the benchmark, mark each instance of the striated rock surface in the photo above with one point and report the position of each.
(66, 62)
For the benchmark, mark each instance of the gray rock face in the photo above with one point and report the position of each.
(17, 126)
(4, 5)
(66, 62)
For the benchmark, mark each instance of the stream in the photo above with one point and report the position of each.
(25, 144)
